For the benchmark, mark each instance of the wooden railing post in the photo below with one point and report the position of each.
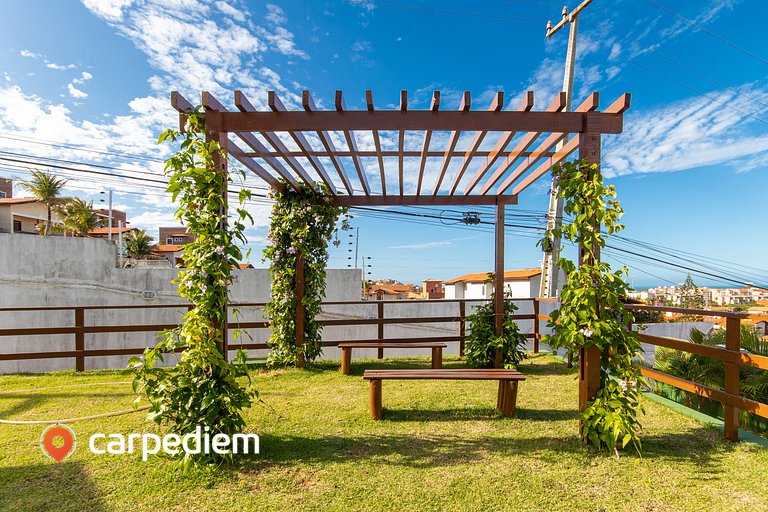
(732, 384)
(79, 339)
(380, 325)
(299, 320)
(462, 325)
(535, 325)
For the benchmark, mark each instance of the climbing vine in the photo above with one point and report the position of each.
(201, 388)
(302, 225)
(591, 312)
(482, 340)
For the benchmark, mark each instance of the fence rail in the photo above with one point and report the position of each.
(79, 328)
(732, 355)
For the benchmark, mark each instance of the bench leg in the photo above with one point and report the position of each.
(380, 354)
(375, 399)
(507, 397)
(346, 359)
(437, 357)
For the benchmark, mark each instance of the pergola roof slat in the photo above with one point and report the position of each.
(557, 105)
(554, 139)
(377, 143)
(325, 138)
(496, 105)
(563, 153)
(244, 105)
(254, 166)
(434, 107)
(466, 103)
(401, 143)
(352, 144)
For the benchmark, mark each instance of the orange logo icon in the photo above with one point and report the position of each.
(58, 442)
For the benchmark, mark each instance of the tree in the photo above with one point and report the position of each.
(690, 295)
(139, 244)
(47, 189)
(79, 216)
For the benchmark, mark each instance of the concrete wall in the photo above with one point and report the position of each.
(59, 271)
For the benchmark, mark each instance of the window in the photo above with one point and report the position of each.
(178, 240)
(169, 241)
(2, 195)
(17, 226)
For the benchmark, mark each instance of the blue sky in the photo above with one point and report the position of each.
(690, 167)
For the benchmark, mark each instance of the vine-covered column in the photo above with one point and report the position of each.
(589, 356)
(303, 220)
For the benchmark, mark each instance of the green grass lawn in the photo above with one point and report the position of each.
(441, 446)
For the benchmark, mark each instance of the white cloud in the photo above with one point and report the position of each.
(691, 133)
(29, 54)
(275, 14)
(84, 77)
(111, 10)
(75, 92)
(59, 67)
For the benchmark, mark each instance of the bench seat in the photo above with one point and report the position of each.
(346, 351)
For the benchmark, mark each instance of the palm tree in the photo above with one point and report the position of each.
(138, 243)
(47, 189)
(79, 216)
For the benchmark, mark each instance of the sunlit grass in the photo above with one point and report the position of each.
(441, 446)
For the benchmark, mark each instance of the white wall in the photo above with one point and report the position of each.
(59, 271)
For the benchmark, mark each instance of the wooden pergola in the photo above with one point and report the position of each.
(525, 149)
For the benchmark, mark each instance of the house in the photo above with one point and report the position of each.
(171, 252)
(522, 283)
(389, 291)
(174, 236)
(103, 232)
(23, 214)
(432, 289)
(6, 188)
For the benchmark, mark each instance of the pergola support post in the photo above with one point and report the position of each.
(498, 285)
(589, 357)
(299, 321)
(215, 133)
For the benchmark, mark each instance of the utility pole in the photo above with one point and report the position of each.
(109, 229)
(549, 270)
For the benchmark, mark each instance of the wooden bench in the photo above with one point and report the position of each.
(506, 401)
(346, 351)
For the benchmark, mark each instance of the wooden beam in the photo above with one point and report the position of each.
(325, 138)
(255, 167)
(506, 137)
(352, 144)
(732, 378)
(564, 122)
(466, 102)
(557, 105)
(621, 105)
(377, 143)
(564, 152)
(407, 153)
(244, 105)
(498, 285)
(182, 106)
(401, 143)
(423, 200)
(433, 107)
(496, 105)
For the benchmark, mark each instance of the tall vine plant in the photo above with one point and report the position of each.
(202, 388)
(591, 312)
(302, 225)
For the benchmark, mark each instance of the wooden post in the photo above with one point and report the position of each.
(79, 339)
(214, 133)
(535, 326)
(732, 386)
(299, 320)
(346, 359)
(375, 399)
(437, 357)
(589, 358)
(380, 334)
(462, 326)
(498, 285)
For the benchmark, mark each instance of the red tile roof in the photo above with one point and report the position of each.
(18, 200)
(481, 277)
(167, 248)
(105, 231)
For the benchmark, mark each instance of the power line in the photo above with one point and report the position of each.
(709, 32)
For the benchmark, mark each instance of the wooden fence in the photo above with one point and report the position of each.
(731, 354)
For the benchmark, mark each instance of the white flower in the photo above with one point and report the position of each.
(586, 332)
